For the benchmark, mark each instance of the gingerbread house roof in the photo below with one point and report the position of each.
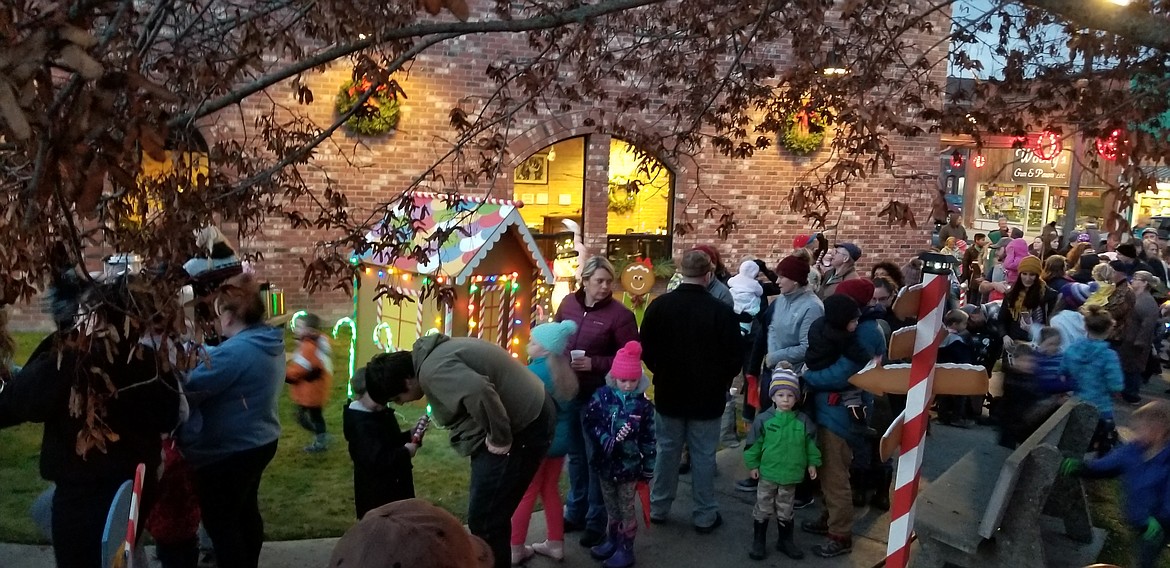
(482, 221)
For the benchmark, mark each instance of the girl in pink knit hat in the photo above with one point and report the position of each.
(620, 424)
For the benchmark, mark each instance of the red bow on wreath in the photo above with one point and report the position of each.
(358, 88)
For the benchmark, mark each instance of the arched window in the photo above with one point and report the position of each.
(639, 214)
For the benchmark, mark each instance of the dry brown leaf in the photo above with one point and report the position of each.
(459, 9)
(432, 6)
(13, 115)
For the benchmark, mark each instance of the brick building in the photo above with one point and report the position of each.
(582, 164)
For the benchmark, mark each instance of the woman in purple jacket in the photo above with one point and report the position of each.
(603, 327)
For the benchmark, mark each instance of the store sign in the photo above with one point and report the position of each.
(1023, 165)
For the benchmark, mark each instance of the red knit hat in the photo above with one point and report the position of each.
(794, 268)
(710, 251)
(627, 364)
(859, 289)
(802, 241)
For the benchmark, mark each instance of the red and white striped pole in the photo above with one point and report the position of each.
(932, 303)
(132, 523)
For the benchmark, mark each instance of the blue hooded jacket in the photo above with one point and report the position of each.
(1146, 482)
(835, 378)
(233, 396)
(1096, 370)
(566, 410)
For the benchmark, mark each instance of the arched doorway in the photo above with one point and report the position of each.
(639, 215)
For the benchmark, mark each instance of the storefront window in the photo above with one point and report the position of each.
(639, 205)
(551, 183)
(1002, 200)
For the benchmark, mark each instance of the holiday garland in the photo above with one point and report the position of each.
(805, 133)
(380, 112)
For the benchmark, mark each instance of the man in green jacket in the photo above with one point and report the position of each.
(782, 448)
(497, 413)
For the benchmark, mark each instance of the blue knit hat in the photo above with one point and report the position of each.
(783, 379)
(554, 337)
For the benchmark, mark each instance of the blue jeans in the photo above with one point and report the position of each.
(702, 438)
(1133, 385)
(585, 501)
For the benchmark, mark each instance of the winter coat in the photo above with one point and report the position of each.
(1041, 314)
(1016, 251)
(602, 329)
(631, 459)
(310, 372)
(40, 392)
(746, 291)
(567, 410)
(955, 349)
(720, 291)
(1097, 372)
(1138, 335)
(792, 317)
(382, 471)
(691, 343)
(782, 445)
(476, 390)
(233, 396)
(1146, 482)
(833, 278)
(826, 411)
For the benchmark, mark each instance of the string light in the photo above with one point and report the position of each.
(389, 336)
(292, 322)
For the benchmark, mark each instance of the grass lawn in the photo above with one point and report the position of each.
(302, 495)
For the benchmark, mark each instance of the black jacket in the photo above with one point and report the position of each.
(382, 472)
(138, 415)
(691, 342)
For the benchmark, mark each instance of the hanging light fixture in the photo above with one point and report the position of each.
(957, 159)
(1047, 146)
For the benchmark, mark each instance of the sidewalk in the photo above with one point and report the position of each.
(675, 544)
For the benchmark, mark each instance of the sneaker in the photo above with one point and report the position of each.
(820, 527)
(710, 528)
(521, 554)
(799, 504)
(747, 485)
(316, 448)
(833, 547)
(592, 538)
(657, 520)
(554, 549)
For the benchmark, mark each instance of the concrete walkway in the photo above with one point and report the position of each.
(675, 544)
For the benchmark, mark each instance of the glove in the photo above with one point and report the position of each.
(623, 432)
(1153, 530)
(1072, 466)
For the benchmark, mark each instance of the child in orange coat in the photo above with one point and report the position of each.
(310, 376)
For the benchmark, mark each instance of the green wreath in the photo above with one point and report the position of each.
(380, 114)
(805, 133)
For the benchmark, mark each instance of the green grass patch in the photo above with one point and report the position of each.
(302, 495)
(1105, 504)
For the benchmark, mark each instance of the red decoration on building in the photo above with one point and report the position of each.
(957, 159)
(979, 160)
(1108, 147)
(1047, 146)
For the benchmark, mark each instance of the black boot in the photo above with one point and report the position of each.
(881, 491)
(759, 541)
(784, 541)
(857, 478)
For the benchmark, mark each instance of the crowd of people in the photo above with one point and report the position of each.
(1080, 320)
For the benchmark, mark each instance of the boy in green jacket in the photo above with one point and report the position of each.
(782, 447)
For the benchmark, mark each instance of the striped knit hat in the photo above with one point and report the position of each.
(783, 379)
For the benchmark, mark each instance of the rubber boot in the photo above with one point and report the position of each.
(881, 492)
(609, 546)
(759, 541)
(857, 478)
(623, 556)
(784, 542)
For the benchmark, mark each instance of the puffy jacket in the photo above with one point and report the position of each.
(1097, 372)
(233, 396)
(476, 390)
(782, 444)
(835, 378)
(792, 317)
(608, 411)
(310, 372)
(602, 329)
(567, 410)
(382, 471)
(1146, 481)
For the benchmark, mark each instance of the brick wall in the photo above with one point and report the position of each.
(372, 170)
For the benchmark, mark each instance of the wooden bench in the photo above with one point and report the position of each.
(986, 509)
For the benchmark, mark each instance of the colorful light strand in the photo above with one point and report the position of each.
(348, 322)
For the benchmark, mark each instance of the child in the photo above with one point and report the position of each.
(833, 336)
(619, 421)
(1049, 358)
(547, 348)
(955, 410)
(783, 448)
(746, 292)
(1094, 367)
(380, 451)
(310, 374)
(1144, 467)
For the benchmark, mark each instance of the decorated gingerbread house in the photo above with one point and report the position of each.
(491, 264)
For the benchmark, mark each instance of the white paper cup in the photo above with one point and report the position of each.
(733, 391)
(577, 354)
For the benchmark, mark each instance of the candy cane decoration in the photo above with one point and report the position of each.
(931, 305)
(389, 335)
(352, 325)
(962, 294)
(418, 317)
(512, 301)
(132, 523)
(502, 324)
